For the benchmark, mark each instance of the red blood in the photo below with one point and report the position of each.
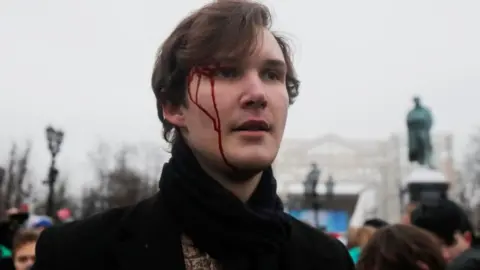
(209, 73)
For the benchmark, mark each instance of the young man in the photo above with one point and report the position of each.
(223, 83)
(450, 224)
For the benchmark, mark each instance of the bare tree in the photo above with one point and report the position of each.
(91, 202)
(22, 188)
(10, 184)
(126, 185)
(470, 178)
(122, 177)
(63, 199)
(101, 160)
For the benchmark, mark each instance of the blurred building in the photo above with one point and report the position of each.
(374, 168)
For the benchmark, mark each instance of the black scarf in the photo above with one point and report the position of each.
(239, 235)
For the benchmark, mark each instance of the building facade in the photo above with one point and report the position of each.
(357, 166)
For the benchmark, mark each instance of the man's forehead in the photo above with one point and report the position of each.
(267, 49)
(267, 52)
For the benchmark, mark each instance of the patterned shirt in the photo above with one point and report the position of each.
(195, 259)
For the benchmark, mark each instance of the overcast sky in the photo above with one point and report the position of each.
(85, 66)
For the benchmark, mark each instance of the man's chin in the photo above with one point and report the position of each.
(242, 170)
(253, 165)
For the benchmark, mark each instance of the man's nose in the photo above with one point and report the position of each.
(254, 92)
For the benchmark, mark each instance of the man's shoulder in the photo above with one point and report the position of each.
(90, 238)
(319, 247)
(89, 231)
(100, 225)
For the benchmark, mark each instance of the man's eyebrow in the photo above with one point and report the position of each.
(276, 63)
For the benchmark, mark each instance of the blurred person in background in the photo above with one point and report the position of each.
(352, 244)
(24, 249)
(38, 222)
(64, 215)
(16, 219)
(450, 224)
(223, 83)
(401, 247)
(405, 219)
(351, 237)
(42, 224)
(6, 261)
(376, 223)
(360, 238)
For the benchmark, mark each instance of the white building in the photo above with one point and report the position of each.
(372, 169)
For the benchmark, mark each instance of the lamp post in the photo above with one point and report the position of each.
(54, 140)
(329, 185)
(310, 192)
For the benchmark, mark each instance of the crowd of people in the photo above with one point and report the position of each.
(18, 236)
(438, 236)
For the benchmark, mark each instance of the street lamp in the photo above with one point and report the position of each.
(310, 191)
(329, 185)
(54, 140)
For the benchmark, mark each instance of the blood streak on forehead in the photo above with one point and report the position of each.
(209, 73)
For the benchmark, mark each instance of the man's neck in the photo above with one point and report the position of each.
(242, 189)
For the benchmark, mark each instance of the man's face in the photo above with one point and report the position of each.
(235, 115)
(460, 244)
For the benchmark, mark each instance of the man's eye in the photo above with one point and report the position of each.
(227, 73)
(272, 75)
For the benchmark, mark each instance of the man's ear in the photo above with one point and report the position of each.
(468, 237)
(174, 115)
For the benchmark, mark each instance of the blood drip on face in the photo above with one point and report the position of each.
(208, 72)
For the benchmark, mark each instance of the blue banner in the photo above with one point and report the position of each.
(332, 221)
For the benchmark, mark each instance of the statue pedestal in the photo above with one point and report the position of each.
(424, 184)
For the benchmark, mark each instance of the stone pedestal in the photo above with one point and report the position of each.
(424, 184)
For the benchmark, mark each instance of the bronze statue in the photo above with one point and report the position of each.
(419, 123)
(310, 194)
(311, 182)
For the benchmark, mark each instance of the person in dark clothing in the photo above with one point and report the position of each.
(376, 223)
(9, 228)
(223, 83)
(450, 224)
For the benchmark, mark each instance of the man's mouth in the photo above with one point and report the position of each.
(253, 125)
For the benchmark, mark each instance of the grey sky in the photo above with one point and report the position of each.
(85, 66)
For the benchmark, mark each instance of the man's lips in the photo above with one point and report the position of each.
(253, 125)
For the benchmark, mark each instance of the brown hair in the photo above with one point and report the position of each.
(401, 247)
(220, 32)
(363, 235)
(23, 237)
(352, 237)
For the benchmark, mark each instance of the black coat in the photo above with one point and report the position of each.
(133, 238)
(468, 260)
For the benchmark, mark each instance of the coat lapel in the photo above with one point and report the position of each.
(148, 238)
